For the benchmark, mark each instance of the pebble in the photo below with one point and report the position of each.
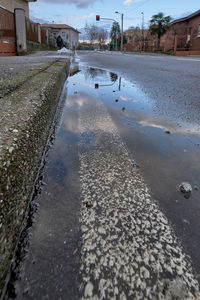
(135, 164)
(185, 187)
(101, 230)
(88, 204)
(88, 290)
(11, 149)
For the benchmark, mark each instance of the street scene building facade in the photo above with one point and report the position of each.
(138, 39)
(69, 35)
(182, 37)
(99, 154)
(20, 34)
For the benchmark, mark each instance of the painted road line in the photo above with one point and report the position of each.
(188, 59)
(129, 249)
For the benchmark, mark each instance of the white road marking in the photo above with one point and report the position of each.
(188, 59)
(129, 249)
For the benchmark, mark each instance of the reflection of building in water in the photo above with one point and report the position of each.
(105, 78)
(74, 70)
(113, 77)
(92, 73)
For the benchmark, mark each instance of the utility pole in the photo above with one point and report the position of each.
(142, 31)
(122, 34)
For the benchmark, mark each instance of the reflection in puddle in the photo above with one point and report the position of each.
(113, 89)
(164, 161)
(74, 70)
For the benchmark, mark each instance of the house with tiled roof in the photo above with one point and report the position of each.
(69, 34)
(183, 35)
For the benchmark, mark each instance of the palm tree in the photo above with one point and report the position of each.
(159, 25)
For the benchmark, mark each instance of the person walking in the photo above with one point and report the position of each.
(59, 42)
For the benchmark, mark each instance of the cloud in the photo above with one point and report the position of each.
(129, 2)
(73, 18)
(88, 16)
(78, 3)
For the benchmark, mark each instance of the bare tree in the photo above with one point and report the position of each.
(102, 36)
(91, 31)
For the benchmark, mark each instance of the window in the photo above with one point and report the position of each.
(198, 31)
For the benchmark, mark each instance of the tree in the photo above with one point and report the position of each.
(91, 31)
(159, 25)
(115, 31)
(102, 36)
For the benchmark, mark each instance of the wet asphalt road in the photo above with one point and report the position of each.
(111, 222)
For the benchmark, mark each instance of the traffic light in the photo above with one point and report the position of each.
(117, 37)
(97, 18)
(96, 86)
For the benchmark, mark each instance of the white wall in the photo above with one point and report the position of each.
(69, 36)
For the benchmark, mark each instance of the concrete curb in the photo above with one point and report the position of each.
(28, 111)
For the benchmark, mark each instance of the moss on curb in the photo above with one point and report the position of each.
(27, 115)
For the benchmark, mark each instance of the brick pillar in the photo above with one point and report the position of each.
(47, 36)
(39, 33)
(20, 25)
(175, 44)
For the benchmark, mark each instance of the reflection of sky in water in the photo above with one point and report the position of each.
(166, 158)
(112, 87)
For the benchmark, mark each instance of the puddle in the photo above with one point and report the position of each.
(167, 153)
(165, 161)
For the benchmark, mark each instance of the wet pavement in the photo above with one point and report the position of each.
(111, 221)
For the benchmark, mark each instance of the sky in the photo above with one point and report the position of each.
(77, 12)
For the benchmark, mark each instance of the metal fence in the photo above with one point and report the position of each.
(31, 31)
(43, 35)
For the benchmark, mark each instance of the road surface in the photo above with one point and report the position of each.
(111, 221)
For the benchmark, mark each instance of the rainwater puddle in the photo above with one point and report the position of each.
(167, 153)
(165, 160)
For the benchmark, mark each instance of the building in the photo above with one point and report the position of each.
(69, 34)
(183, 35)
(139, 39)
(12, 4)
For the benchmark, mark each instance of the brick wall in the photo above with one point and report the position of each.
(22, 4)
(7, 33)
(187, 35)
(12, 4)
(31, 31)
(7, 4)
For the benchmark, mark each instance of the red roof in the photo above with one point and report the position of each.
(196, 13)
(59, 26)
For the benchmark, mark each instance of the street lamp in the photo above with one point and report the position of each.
(142, 30)
(122, 16)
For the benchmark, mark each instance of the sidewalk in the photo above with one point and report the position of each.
(30, 87)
